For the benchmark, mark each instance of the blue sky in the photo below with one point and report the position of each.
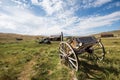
(47, 17)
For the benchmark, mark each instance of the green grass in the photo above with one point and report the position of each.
(15, 56)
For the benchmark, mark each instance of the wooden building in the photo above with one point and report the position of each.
(107, 35)
(19, 39)
(55, 37)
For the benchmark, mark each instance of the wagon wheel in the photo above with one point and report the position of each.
(98, 51)
(68, 55)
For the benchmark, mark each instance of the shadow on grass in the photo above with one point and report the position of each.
(94, 71)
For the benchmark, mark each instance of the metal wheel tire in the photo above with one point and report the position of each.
(68, 55)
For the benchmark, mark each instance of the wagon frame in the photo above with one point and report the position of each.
(69, 50)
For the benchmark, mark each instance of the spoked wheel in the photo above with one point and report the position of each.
(68, 55)
(98, 51)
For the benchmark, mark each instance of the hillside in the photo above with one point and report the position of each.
(115, 33)
(10, 37)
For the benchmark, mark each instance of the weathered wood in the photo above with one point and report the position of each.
(83, 42)
(78, 45)
(55, 37)
(107, 35)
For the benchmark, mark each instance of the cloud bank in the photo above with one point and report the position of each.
(59, 16)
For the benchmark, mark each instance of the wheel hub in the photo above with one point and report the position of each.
(66, 56)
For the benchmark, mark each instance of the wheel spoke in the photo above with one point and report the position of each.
(96, 45)
(72, 59)
(72, 63)
(62, 51)
(100, 58)
(61, 47)
(70, 53)
(61, 55)
(97, 48)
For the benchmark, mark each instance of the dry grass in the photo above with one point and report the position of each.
(32, 61)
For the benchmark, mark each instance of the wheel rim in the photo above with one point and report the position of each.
(68, 55)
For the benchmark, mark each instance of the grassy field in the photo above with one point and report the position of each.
(28, 60)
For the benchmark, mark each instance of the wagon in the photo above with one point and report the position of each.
(69, 50)
(45, 41)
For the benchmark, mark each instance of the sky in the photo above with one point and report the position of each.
(50, 17)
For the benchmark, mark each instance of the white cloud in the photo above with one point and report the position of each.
(53, 7)
(60, 17)
(100, 2)
(99, 21)
(31, 24)
(4, 22)
(0, 2)
(34, 1)
(116, 4)
(93, 3)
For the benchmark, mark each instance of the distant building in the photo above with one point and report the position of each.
(19, 39)
(107, 35)
(55, 37)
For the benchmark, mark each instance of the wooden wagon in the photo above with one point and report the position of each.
(69, 50)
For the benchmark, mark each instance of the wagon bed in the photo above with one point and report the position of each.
(87, 40)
